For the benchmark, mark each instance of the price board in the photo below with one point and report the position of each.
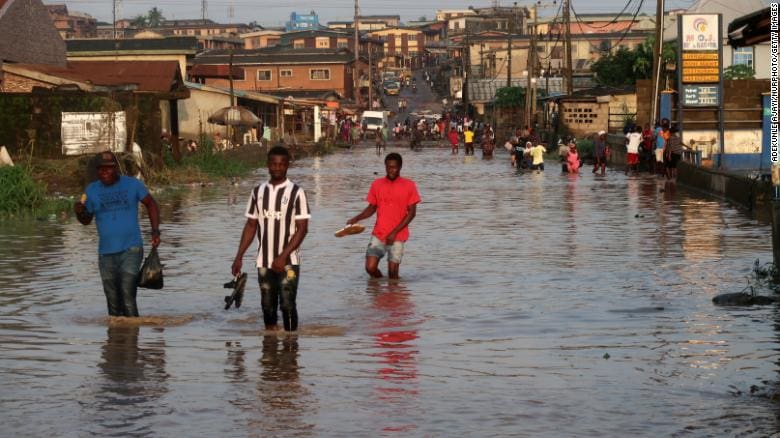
(701, 95)
(700, 67)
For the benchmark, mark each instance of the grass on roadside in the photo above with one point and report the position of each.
(19, 192)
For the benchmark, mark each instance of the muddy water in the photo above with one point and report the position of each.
(530, 305)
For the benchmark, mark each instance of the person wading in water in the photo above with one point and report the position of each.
(394, 199)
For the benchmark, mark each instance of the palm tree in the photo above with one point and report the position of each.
(154, 17)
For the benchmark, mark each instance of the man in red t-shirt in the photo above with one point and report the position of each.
(394, 200)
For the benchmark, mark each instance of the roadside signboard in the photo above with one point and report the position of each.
(700, 61)
(700, 95)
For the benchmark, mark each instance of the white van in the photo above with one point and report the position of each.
(373, 120)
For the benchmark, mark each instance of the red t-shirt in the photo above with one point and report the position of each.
(392, 199)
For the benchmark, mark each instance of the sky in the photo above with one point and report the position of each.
(276, 12)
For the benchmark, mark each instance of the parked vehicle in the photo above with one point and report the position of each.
(373, 120)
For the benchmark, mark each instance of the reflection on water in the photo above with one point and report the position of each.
(536, 304)
(131, 380)
(395, 347)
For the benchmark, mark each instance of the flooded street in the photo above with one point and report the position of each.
(529, 305)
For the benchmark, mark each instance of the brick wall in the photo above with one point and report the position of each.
(18, 84)
(742, 104)
(340, 79)
(27, 34)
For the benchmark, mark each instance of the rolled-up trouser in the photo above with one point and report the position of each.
(279, 290)
(119, 273)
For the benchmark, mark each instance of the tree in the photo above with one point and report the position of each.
(154, 17)
(422, 18)
(138, 21)
(625, 67)
(616, 69)
(739, 71)
(507, 97)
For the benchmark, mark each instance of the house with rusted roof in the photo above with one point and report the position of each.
(179, 49)
(27, 34)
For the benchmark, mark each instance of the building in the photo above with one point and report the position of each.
(368, 23)
(588, 111)
(298, 21)
(261, 38)
(757, 56)
(448, 14)
(200, 28)
(179, 49)
(318, 39)
(72, 24)
(28, 35)
(403, 47)
(281, 70)
(502, 19)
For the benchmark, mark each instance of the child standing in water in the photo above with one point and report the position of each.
(573, 159)
(453, 137)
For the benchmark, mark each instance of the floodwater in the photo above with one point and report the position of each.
(529, 305)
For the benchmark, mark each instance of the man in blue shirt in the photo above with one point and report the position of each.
(113, 201)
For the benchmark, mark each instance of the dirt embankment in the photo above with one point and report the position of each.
(68, 176)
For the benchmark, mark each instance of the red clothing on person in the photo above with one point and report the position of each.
(633, 159)
(392, 199)
(453, 137)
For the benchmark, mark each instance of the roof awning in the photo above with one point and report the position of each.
(750, 29)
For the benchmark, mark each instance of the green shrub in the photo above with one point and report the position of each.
(18, 190)
(585, 147)
(214, 164)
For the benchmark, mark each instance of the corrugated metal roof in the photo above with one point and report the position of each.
(178, 44)
(289, 56)
(149, 76)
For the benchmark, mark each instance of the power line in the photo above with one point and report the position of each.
(613, 21)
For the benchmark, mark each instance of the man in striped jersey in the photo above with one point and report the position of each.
(278, 214)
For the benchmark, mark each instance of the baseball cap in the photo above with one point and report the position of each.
(106, 159)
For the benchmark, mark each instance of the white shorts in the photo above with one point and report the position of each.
(659, 155)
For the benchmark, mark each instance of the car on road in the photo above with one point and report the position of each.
(391, 88)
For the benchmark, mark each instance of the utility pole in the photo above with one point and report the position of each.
(467, 63)
(532, 68)
(567, 47)
(658, 49)
(370, 78)
(509, 46)
(114, 16)
(203, 6)
(357, 53)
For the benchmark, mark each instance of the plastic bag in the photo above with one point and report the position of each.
(151, 275)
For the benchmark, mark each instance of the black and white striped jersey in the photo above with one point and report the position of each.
(276, 209)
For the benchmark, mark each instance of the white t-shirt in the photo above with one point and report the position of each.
(634, 140)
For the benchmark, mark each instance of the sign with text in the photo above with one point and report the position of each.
(700, 67)
(700, 32)
(701, 95)
(700, 40)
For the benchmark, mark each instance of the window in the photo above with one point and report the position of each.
(319, 74)
(285, 73)
(342, 43)
(743, 56)
(299, 44)
(264, 75)
(323, 43)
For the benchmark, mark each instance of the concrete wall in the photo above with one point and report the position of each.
(750, 193)
(195, 111)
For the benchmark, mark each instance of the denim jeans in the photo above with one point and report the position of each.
(119, 272)
(279, 290)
